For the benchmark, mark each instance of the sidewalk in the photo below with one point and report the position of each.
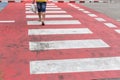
(110, 9)
(2, 5)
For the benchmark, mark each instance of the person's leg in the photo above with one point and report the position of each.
(39, 14)
(43, 12)
(39, 10)
(43, 16)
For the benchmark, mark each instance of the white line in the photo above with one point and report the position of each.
(86, 11)
(75, 65)
(100, 19)
(50, 16)
(81, 9)
(110, 25)
(76, 7)
(67, 44)
(55, 22)
(92, 15)
(46, 9)
(49, 4)
(28, 8)
(118, 20)
(56, 12)
(49, 12)
(54, 6)
(118, 31)
(59, 31)
(7, 21)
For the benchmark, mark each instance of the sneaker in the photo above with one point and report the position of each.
(43, 23)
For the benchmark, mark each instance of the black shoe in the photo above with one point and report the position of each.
(43, 23)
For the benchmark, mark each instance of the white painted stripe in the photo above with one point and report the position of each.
(75, 65)
(53, 6)
(54, 22)
(28, 6)
(92, 15)
(118, 31)
(47, 4)
(27, 9)
(118, 20)
(100, 19)
(7, 21)
(110, 25)
(50, 16)
(76, 7)
(49, 12)
(59, 31)
(86, 11)
(81, 9)
(67, 44)
(50, 4)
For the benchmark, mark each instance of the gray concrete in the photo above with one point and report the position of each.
(108, 79)
(111, 8)
(2, 5)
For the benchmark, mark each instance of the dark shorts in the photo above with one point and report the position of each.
(41, 6)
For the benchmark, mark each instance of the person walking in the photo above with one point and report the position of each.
(41, 7)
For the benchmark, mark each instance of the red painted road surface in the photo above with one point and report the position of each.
(15, 55)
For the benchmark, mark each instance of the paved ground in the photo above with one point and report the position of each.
(110, 9)
(2, 5)
(77, 43)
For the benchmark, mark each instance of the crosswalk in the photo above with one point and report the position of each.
(62, 18)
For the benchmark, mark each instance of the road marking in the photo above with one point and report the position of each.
(117, 30)
(76, 7)
(7, 21)
(49, 4)
(53, 6)
(75, 65)
(110, 25)
(50, 16)
(118, 20)
(67, 44)
(49, 12)
(27, 9)
(55, 22)
(100, 19)
(81, 9)
(86, 11)
(92, 15)
(59, 31)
